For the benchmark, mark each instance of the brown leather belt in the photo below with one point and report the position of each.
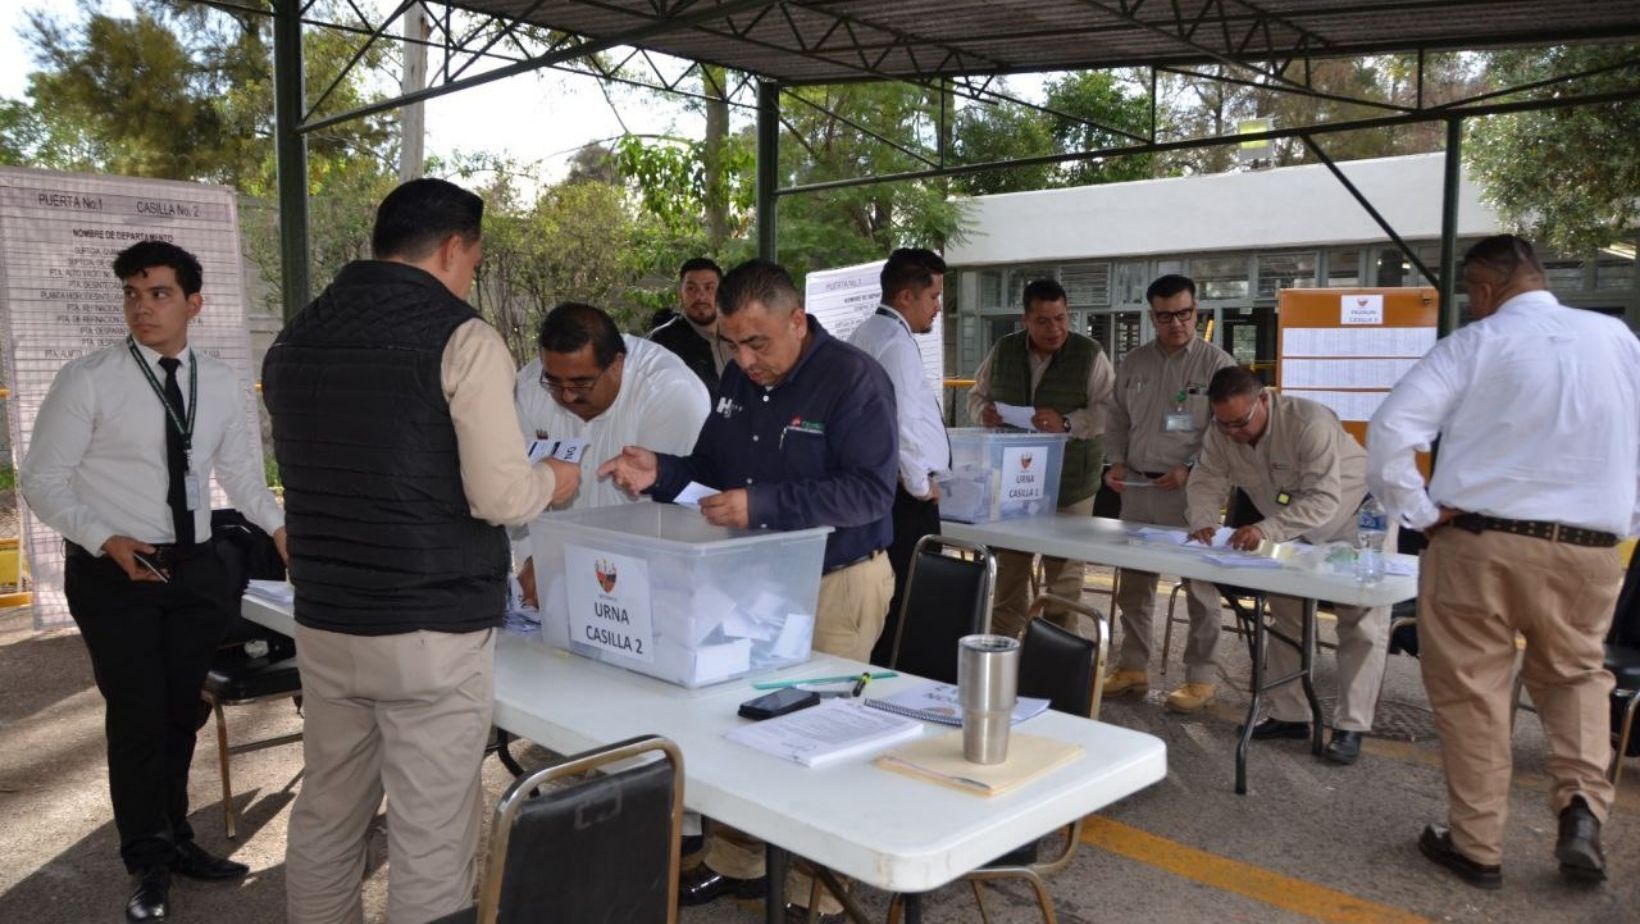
(1535, 529)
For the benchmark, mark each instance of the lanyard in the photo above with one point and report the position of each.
(185, 429)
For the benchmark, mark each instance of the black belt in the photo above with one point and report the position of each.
(1535, 529)
(1151, 475)
(165, 553)
(849, 564)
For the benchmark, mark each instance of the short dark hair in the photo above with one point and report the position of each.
(420, 215)
(758, 281)
(572, 325)
(1168, 286)
(909, 268)
(145, 255)
(1042, 290)
(1231, 382)
(697, 264)
(1502, 253)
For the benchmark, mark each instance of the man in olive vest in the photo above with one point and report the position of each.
(1067, 379)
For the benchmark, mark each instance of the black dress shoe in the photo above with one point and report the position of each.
(1436, 844)
(701, 885)
(1344, 747)
(151, 900)
(192, 861)
(1276, 728)
(691, 844)
(1578, 848)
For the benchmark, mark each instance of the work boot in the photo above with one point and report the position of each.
(1127, 681)
(1190, 698)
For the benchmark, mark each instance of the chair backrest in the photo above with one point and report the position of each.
(1060, 666)
(601, 849)
(1626, 620)
(946, 598)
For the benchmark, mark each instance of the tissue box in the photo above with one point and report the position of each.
(1001, 475)
(656, 589)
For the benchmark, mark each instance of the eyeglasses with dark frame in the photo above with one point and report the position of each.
(579, 387)
(1182, 316)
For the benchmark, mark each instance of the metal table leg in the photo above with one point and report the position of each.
(774, 901)
(913, 908)
(1253, 706)
(1307, 677)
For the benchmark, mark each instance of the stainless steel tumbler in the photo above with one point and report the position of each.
(987, 683)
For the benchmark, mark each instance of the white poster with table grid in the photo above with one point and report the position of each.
(59, 299)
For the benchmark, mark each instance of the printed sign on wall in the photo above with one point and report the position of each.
(609, 602)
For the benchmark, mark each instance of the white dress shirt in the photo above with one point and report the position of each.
(1538, 411)
(661, 406)
(96, 464)
(923, 444)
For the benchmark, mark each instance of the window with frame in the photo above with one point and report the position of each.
(1277, 271)
(1343, 268)
(1219, 277)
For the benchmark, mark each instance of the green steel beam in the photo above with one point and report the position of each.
(1447, 321)
(768, 168)
(291, 154)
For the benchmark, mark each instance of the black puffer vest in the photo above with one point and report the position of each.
(381, 537)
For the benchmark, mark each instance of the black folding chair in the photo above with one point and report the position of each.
(948, 595)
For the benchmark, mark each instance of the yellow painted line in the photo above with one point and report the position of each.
(1255, 882)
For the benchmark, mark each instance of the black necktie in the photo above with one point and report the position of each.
(176, 456)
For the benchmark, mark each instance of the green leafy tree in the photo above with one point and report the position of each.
(1567, 177)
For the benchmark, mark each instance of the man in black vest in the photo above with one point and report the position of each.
(119, 462)
(693, 335)
(393, 424)
(1065, 378)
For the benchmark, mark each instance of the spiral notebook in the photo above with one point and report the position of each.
(938, 702)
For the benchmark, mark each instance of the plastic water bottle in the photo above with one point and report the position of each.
(1371, 524)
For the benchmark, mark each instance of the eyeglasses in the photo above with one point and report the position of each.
(1174, 317)
(577, 387)
(1238, 424)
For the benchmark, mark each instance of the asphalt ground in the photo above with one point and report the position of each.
(1309, 842)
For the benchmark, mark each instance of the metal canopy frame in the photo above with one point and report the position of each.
(773, 48)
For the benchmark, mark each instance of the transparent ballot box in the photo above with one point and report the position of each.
(1001, 474)
(656, 589)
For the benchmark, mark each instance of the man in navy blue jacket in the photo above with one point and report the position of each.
(802, 434)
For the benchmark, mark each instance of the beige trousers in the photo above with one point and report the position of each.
(1063, 578)
(848, 617)
(405, 716)
(1136, 595)
(1475, 591)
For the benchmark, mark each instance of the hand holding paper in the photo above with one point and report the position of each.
(1014, 415)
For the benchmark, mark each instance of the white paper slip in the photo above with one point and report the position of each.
(1401, 569)
(272, 591)
(1161, 535)
(826, 733)
(565, 450)
(692, 494)
(1015, 416)
(1137, 484)
(937, 702)
(1240, 560)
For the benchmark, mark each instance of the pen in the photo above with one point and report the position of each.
(844, 678)
(860, 685)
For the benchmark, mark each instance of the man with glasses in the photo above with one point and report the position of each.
(1157, 416)
(1537, 407)
(593, 383)
(1066, 378)
(1306, 476)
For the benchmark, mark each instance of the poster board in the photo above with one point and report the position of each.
(1346, 348)
(59, 299)
(841, 298)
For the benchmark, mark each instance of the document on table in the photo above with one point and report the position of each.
(272, 591)
(1015, 416)
(938, 759)
(826, 733)
(692, 494)
(1240, 560)
(1164, 536)
(938, 702)
(565, 450)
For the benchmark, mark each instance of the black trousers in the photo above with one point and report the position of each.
(151, 645)
(913, 519)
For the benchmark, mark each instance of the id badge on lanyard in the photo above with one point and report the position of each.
(191, 492)
(1180, 419)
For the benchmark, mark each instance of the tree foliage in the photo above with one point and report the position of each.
(1569, 177)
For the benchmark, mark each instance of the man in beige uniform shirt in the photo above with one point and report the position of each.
(1306, 476)
(1066, 378)
(1153, 434)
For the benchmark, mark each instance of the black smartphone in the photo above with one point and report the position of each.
(152, 565)
(779, 702)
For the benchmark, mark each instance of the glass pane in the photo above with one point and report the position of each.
(1564, 275)
(1117, 332)
(1277, 271)
(1614, 269)
(1344, 268)
(1219, 277)
(1087, 285)
(990, 290)
(1018, 279)
(1131, 281)
(1393, 268)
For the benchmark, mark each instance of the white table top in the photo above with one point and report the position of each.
(890, 831)
(1105, 541)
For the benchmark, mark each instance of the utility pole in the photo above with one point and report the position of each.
(413, 118)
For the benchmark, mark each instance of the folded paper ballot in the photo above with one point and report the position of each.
(826, 733)
(272, 591)
(938, 759)
(937, 702)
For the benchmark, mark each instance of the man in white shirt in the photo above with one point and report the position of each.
(913, 289)
(119, 462)
(1537, 407)
(592, 383)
